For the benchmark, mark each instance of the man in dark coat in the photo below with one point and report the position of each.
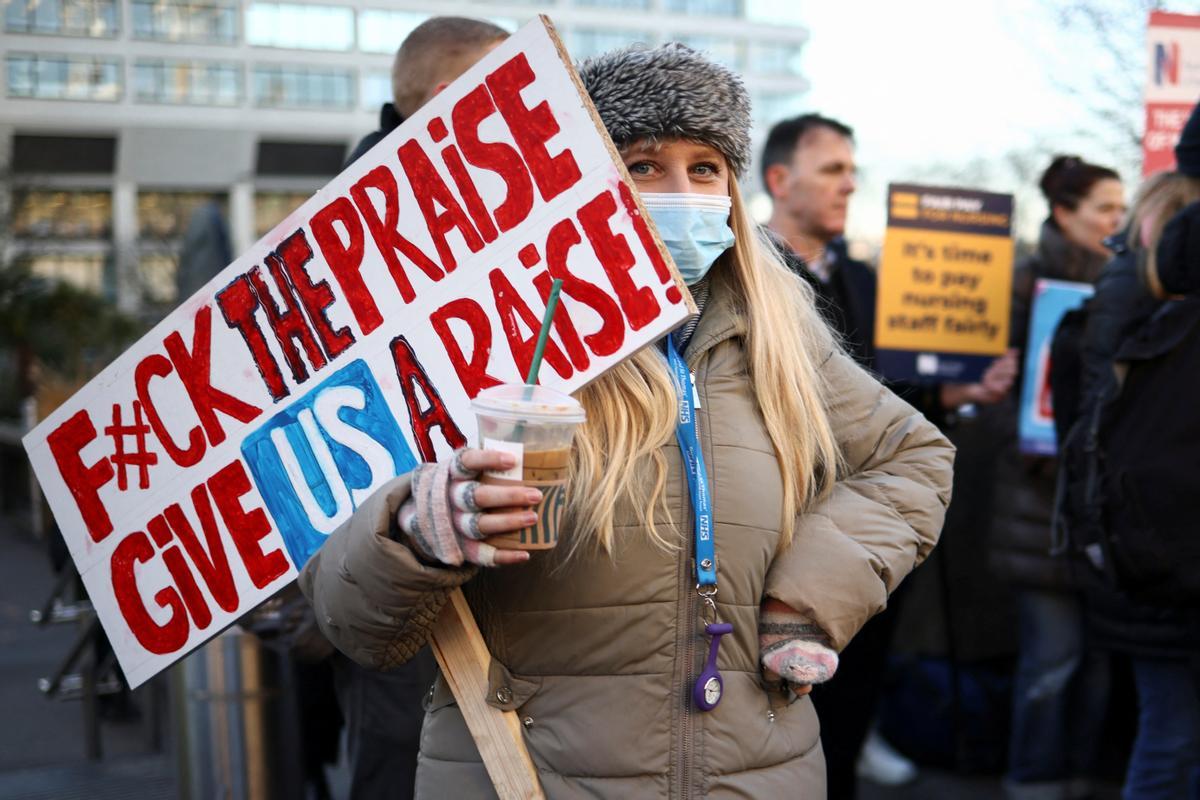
(809, 170)
(383, 710)
(430, 59)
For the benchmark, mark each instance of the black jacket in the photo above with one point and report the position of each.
(1020, 545)
(389, 120)
(383, 710)
(847, 302)
(1139, 361)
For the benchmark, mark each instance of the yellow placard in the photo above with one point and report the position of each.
(944, 292)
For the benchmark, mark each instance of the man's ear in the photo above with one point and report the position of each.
(776, 177)
(438, 89)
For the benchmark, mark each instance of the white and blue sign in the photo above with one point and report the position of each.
(1051, 300)
(317, 461)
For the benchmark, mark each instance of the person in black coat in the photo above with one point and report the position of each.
(430, 58)
(1139, 384)
(383, 710)
(809, 170)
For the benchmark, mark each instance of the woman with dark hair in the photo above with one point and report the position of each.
(1087, 204)
(1060, 688)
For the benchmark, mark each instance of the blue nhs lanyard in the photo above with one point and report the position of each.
(697, 475)
(709, 685)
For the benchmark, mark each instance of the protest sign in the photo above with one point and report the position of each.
(1051, 300)
(194, 477)
(944, 283)
(1172, 85)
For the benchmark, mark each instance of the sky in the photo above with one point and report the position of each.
(927, 82)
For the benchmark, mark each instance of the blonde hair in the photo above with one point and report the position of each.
(1159, 198)
(631, 410)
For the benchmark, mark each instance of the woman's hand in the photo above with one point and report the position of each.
(792, 649)
(450, 515)
(995, 384)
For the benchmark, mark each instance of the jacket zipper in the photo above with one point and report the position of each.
(690, 608)
(687, 625)
(687, 647)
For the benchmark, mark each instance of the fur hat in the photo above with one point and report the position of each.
(670, 92)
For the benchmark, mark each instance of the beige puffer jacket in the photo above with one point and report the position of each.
(598, 655)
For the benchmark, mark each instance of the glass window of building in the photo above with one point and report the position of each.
(725, 50)
(48, 154)
(61, 214)
(96, 18)
(771, 12)
(82, 270)
(205, 21)
(164, 216)
(300, 27)
(770, 107)
(712, 8)
(20, 72)
(775, 58)
(157, 268)
(382, 31)
(62, 77)
(195, 82)
(272, 208)
(588, 42)
(279, 86)
(632, 4)
(307, 160)
(169, 222)
(376, 89)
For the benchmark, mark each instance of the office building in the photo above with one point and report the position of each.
(120, 118)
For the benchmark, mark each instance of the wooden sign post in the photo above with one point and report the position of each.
(464, 659)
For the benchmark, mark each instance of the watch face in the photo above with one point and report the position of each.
(712, 691)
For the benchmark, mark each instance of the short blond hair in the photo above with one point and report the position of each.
(438, 51)
(1158, 199)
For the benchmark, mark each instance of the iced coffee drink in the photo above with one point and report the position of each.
(537, 425)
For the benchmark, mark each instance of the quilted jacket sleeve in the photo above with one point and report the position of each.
(883, 517)
(373, 599)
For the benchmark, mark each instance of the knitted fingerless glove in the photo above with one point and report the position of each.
(441, 518)
(792, 647)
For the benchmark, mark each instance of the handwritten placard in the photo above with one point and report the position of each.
(198, 473)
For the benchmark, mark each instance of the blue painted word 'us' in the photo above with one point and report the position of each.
(319, 459)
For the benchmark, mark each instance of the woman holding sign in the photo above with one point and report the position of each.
(742, 499)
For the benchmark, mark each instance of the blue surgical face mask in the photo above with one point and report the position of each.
(694, 227)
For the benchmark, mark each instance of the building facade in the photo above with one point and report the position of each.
(121, 118)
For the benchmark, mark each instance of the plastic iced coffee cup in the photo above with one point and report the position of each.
(537, 425)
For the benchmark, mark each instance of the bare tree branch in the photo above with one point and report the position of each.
(1112, 95)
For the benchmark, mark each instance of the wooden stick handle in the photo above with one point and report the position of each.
(464, 659)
